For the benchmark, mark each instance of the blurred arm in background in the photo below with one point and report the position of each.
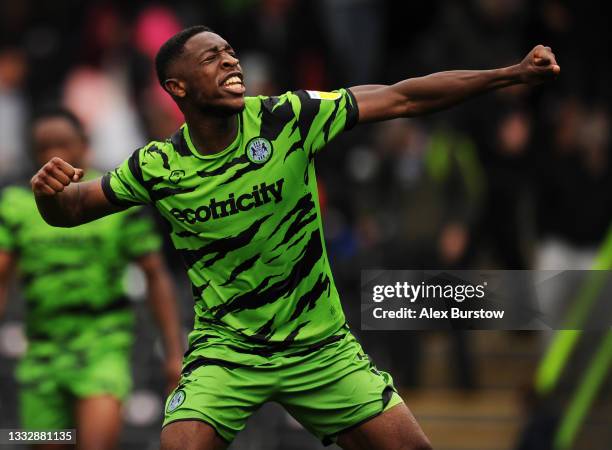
(141, 244)
(7, 265)
(163, 305)
(423, 95)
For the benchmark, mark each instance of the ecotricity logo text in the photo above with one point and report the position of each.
(260, 195)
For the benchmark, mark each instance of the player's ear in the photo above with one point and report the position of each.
(175, 87)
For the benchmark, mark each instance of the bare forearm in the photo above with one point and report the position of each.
(77, 204)
(3, 298)
(442, 90)
(423, 95)
(63, 209)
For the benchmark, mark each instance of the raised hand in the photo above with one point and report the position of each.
(538, 66)
(54, 176)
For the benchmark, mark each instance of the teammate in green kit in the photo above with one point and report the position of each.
(236, 185)
(79, 324)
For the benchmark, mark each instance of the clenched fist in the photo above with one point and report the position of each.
(538, 66)
(54, 176)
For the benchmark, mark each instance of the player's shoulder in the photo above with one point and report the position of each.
(274, 101)
(153, 157)
(157, 148)
(282, 105)
(293, 101)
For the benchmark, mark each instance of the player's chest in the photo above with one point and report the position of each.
(212, 200)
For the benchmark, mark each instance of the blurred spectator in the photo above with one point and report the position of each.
(416, 193)
(113, 125)
(155, 25)
(356, 57)
(509, 220)
(575, 189)
(259, 79)
(103, 80)
(13, 111)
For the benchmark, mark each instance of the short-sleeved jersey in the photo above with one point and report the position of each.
(246, 220)
(72, 277)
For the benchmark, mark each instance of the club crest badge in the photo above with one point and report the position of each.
(259, 150)
(177, 400)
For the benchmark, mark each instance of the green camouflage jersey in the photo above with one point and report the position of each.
(72, 278)
(247, 221)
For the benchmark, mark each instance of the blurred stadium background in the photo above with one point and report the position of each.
(521, 179)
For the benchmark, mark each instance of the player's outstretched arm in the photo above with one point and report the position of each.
(423, 95)
(63, 201)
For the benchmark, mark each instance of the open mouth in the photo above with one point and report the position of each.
(233, 83)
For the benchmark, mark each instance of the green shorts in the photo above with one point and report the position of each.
(328, 390)
(50, 385)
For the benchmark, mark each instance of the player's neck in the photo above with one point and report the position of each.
(212, 134)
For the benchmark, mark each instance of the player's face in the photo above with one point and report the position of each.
(212, 74)
(57, 136)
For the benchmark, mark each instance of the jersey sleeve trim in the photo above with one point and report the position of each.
(110, 194)
(352, 117)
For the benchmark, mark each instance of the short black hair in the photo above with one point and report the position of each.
(57, 111)
(172, 48)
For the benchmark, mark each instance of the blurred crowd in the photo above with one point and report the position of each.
(519, 179)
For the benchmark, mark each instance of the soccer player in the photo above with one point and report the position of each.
(236, 185)
(79, 323)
